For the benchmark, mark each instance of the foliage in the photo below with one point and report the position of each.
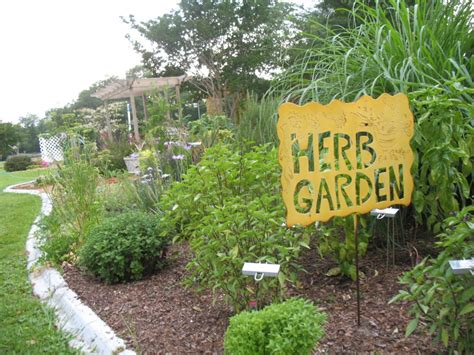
(425, 51)
(257, 120)
(110, 159)
(76, 205)
(211, 130)
(225, 43)
(27, 326)
(17, 163)
(337, 239)
(125, 247)
(443, 300)
(229, 207)
(444, 141)
(8, 138)
(292, 327)
(128, 194)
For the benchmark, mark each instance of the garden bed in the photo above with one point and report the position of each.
(159, 314)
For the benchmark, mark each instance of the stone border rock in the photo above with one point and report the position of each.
(90, 333)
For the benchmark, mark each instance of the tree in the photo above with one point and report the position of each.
(226, 45)
(28, 133)
(8, 138)
(85, 98)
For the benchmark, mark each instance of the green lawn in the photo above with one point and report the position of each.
(26, 326)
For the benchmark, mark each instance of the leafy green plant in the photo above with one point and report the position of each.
(211, 130)
(125, 247)
(336, 238)
(441, 299)
(444, 142)
(230, 209)
(17, 163)
(110, 159)
(292, 327)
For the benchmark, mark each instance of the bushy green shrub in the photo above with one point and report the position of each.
(441, 299)
(292, 327)
(17, 163)
(230, 208)
(125, 247)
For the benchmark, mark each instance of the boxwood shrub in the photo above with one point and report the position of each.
(125, 247)
(17, 163)
(292, 327)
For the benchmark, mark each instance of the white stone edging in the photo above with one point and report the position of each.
(90, 333)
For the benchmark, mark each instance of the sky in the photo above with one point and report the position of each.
(51, 49)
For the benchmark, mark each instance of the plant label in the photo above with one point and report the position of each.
(345, 158)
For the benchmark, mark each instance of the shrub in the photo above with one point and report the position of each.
(125, 247)
(229, 206)
(441, 299)
(292, 327)
(17, 163)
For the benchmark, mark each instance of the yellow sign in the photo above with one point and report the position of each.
(345, 158)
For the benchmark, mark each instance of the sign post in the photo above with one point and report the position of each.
(345, 158)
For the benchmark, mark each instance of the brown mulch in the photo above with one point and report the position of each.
(159, 315)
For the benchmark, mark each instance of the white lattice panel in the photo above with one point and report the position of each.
(51, 149)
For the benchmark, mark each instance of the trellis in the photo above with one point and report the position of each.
(51, 148)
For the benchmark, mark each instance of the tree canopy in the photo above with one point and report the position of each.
(228, 46)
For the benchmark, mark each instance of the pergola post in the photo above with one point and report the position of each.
(107, 120)
(168, 113)
(178, 101)
(145, 111)
(134, 117)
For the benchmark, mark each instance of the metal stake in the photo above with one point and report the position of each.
(356, 241)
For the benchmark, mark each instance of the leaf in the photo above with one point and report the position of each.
(425, 308)
(418, 201)
(282, 279)
(235, 251)
(411, 327)
(445, 336)
(335, 271)
(467, 309)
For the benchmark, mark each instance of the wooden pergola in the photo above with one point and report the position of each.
(130, 88)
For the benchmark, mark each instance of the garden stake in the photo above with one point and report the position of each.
(356, 241)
